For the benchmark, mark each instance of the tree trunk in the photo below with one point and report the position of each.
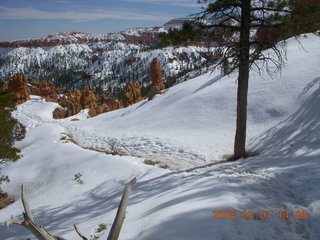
(243, 80)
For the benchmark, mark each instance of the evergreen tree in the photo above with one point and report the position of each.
(231, 24)
(7, 126)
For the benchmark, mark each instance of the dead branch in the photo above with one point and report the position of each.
(29, 223)
(121, 213)
(79, 233)
(42, 234)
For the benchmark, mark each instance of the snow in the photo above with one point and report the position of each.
(189, 127)
(107, 61)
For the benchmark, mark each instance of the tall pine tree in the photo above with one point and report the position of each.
(233, 23)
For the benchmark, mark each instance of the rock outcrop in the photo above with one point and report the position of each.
(58, 113)
(132, 94)
(156, 75)
(72, 101)
(75, 100)
(88, 99)
(18, 85)
(153, 91)
(45, 89)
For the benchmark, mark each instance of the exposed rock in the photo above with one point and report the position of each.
(52, 98)
(156, 75)
(75, 100)
(72, 105)
(170, 81)
(88, 99)
(113, 104)
(18, 85)
(132, 94)
(43, 88)
(153, 91)
(58, 113)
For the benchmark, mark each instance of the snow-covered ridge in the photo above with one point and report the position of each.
(144, 35)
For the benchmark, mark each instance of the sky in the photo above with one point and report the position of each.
(24, 19)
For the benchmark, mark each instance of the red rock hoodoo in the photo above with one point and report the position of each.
(132, 94)
(18, 85)
(156, 75)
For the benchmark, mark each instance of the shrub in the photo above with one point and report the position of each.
(77, 178)
(165, 166)
(114, 147)
(101, 228)
(150, 162)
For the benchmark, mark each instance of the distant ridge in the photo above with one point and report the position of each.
(145, 36)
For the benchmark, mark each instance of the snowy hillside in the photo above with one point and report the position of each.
(78, 59)
(190, 127)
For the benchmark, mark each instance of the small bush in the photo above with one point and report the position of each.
(94, 237)
(165, 166)
(114, 147)
(101, 228)
(4, 179)
(77, 178)
(150, 162)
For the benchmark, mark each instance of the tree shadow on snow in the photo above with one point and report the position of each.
(298, 135)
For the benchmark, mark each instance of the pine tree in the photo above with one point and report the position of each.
(232, 23)
(7, 126)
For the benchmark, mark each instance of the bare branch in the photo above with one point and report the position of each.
(29, 223)
(121, 213)
(26, 207)
(12, 221)
(79, 233)
(266, 9)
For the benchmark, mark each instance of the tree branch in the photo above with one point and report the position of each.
(42, 234)
(29, 223)
(121, 213)
(12, 221)
(270, 9)
(79, 233)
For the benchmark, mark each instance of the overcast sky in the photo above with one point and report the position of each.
(23, 19)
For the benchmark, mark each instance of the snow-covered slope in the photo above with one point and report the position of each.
(189, 127)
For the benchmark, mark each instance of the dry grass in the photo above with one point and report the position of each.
(105, 151)
(165, 166)
(154, 163)
(5, 200)
(150, 162)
